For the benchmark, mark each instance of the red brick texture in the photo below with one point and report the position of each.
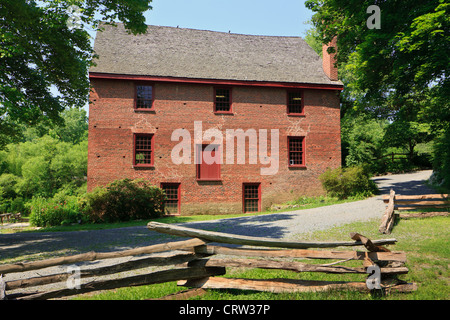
(329, 60)
(113, 121)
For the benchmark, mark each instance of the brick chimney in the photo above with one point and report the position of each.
(328, 60)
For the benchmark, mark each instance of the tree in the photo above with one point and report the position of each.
(73, 128)
(41, 54)
(398, 72)
(312, 39)
(362, 139)
(406, 135)
(407, 54)
(50, 160)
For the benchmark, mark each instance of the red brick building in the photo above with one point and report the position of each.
(156, 97)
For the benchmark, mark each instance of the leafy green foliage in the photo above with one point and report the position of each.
(46, 212)
(312, 39)
(441, 161)
(43, 63)
(343, 183)
(407, 134)
(43, 166)
(363, 139)
(49, 161)
(398, 72)
(406, 54)
(124, 200)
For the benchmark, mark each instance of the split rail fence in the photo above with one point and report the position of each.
(196, 263)
(397, 205)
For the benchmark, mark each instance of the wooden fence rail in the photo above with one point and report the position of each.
(402, 203)
(196, 263)
(10, 216)
(392, 263)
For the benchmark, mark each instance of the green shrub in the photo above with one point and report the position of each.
(343, 183)
(441, 160)
(124, 200)
(55, 211)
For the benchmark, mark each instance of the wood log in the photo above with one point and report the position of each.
(301, 253)
(151, 278)
(417, 197)
(286, 265)
(422, 203)
(397, 207)
(2, 288)
(367, 243)
(424, 214)
(390, 224)
(102, 271)
(91, 256)
(253, 241)
(285, 285)
(184, 294)
(388, 214)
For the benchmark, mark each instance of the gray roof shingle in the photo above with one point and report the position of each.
(200, 54)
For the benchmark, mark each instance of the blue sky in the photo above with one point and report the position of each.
(257, 17)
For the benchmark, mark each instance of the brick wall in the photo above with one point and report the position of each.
(112, 122)
(329, 60)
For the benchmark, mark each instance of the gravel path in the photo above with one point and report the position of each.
(286, 225)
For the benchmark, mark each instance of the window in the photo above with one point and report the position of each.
(143, 150)
(222, 100)
(144, 97)
(208, 162)
(296, 151)
(172, 203)
(295, 103)
(251, 194)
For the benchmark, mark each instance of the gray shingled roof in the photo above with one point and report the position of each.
(200, 54)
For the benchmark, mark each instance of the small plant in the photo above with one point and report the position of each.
(344, 183)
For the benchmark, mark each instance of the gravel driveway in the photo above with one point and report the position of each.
(286, 225)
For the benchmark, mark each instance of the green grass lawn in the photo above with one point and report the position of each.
(425, 242)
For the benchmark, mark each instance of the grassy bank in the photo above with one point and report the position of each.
(425, 242)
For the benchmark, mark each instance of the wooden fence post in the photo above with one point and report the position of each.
(387, 220)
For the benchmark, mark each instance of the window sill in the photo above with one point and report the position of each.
(212, 179)
(152, 110)
(224, 112)
(296, 115)
(297, 167)
(143, 166)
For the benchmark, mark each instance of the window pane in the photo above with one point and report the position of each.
(295, 102)
(251, 198)
(296, 144)
(295, 151)
(172, 202)
(144, 97)
(171, 207)
(171, 191)
(143, 150)
(251, 205)
(251, 192)
(222, 100)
